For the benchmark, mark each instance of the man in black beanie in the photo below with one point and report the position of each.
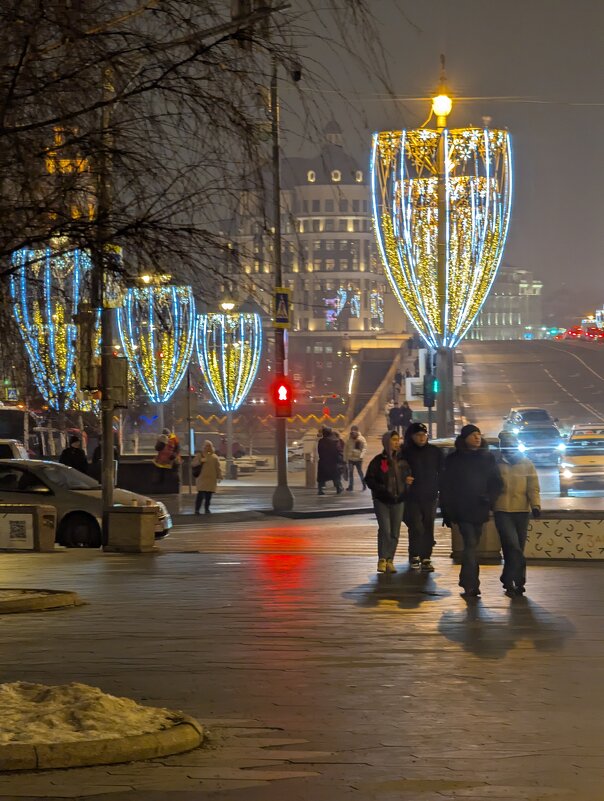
(426, 462)
(471, 483)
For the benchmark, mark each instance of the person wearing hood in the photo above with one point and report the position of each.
(470, 485)
(519, 497)
(426, 463)
(389, 478)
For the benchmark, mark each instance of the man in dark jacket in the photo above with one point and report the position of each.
(74, 456)
(388, 477)
(470, 485)
(394, 419)
(331, 457)
(426, 463)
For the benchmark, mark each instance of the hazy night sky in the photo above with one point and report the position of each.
(545, 51)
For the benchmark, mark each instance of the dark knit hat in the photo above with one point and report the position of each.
(416, 428)
(507, 439)
(469, 429)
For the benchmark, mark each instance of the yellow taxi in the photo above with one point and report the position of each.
(582, 466)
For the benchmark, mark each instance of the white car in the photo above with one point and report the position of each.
(75, 496)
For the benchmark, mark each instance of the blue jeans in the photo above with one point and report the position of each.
(352, 466)
(470, 568)
(512, 528)
(389, 517)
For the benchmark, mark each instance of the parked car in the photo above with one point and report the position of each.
(12, 449)
(521, 417)
(75, 496)
(583, 464)
(541, 444)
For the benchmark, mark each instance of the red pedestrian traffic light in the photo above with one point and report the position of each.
(282, 397)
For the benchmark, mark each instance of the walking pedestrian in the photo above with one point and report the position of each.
(394, 419)
(354, 453)
(426, 463)
(520, 496)
(405, 416)
(330, 460)
(388, 477)
(207, 474)
(470, 485)
(387, 409)
(167, 454)
(74, 456)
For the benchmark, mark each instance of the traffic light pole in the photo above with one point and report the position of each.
(283, 500)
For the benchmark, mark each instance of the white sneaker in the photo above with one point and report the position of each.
(415, 563)
(381, 568)
(390, 568)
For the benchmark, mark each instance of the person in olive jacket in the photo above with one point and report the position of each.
(520, 496)
(388, 477)
(470, 485)
(426, 463)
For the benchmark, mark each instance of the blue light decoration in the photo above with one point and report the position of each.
(347, 299)
(405, 178)
(156, 325)
(45, 288)
(228, 349)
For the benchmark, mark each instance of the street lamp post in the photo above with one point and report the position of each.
(441, 209)
(283, 500)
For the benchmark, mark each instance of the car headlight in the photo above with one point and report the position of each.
(561, 446)
(521, 447)
(515, 431)
(567, 473)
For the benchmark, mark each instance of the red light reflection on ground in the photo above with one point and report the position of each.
(283, 563)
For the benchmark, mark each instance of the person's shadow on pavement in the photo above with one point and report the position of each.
(407, 588)
(490, 634)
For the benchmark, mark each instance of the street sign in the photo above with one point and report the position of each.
(282, 309)
(12, 394)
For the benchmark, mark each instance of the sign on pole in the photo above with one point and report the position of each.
(282, 308)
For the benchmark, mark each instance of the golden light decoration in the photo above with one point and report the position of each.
(473, 167)
(46, 287)
(228, 349)
(157, 330)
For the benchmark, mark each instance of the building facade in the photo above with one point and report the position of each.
(330, 263)
(513, 309)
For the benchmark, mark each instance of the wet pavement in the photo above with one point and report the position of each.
(317, 678)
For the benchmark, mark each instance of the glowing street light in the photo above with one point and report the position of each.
(441, 209)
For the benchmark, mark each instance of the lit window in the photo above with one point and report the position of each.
(311, 176)
(359, 176)
(336, 176)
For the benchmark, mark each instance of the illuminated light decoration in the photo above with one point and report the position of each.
(46, 287)
(478, 192)
(157, 330)
(228, 351)
(346, 298)
(376, 309)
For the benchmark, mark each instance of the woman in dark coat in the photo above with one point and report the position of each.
(471, 483)
(330, 461)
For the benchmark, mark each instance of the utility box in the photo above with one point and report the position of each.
(489, 546)
(25, 527)
(131, 529)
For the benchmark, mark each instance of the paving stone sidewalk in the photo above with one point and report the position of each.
(320, 680)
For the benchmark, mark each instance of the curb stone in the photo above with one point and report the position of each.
(186, 734)
(53, 599)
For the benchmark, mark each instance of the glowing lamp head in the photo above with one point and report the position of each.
(442, 105)
(282, 392)
(227, 305)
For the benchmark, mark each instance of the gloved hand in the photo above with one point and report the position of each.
(536, 512)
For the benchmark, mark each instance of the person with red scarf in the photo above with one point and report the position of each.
(388, 477)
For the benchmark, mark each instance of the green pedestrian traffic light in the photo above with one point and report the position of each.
(431, 387)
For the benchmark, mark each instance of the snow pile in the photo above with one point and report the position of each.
(17, 595)
(37, 713)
